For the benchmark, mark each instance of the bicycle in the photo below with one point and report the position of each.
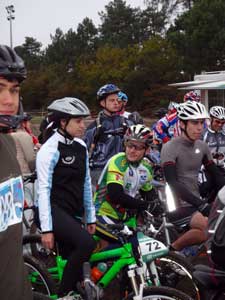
(134, 265)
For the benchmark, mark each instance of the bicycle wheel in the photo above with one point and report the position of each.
(175, 271)
(32, 246)
(164, 293)
(39, 277)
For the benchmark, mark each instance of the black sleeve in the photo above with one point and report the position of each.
(177, 188)
(117, 196)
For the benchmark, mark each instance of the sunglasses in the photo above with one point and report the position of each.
(136, 147)
(219, 122)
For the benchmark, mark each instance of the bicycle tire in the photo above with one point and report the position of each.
(181, 276)
(32, 246)
(162, 293)
(39, 277)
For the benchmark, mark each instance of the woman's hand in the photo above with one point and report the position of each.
(91, 228)
(47, 240)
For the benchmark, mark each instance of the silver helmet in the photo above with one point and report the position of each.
(69, 107)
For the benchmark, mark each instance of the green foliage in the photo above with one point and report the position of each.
(199, 36)
(132, 49)
(31, 52)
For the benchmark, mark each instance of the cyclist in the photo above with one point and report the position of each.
(214, 136)
(168, 126)
(24, 148)
(64, 189)
(13, 283)
(125, 181)
(192, 96)
(134, 116)
(181, 160)
(104, 136)
(26, 125)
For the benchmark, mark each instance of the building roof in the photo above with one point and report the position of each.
(205, 81)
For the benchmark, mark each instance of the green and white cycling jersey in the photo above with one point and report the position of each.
(133, 178)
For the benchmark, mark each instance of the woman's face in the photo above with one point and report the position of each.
(75, 127)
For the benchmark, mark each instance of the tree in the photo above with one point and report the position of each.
(31, 52)
(199, 36)
(87, 37)
(120, 26)
(157, 65)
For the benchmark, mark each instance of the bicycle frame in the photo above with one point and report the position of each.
(149, 250)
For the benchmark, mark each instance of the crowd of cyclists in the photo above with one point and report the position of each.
(88, 178)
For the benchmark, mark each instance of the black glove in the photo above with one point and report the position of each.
(204, 208)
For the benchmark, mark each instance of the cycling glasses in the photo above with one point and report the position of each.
(136, 147)
(218, 155)
(219, 122)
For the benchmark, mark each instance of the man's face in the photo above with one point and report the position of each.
(111, 103)
(135, 151)
(216, 124)
(9, 97)
(194, 128)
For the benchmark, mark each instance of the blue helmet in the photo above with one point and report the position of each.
(106, 90)
(122, 96)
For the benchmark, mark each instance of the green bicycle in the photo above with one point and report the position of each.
(130, 266)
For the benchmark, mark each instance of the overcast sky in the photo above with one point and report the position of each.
(40, 18)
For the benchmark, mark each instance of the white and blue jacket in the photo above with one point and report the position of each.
(63, 180)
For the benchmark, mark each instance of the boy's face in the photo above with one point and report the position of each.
(9, 96)
(111, 103)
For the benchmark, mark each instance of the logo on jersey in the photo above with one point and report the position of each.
(197, 151)
(11, 202)
(68, 160)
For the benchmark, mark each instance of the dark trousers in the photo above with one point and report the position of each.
(76, 244)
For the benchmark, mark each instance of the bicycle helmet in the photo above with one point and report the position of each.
(11, 65)
(68, 107)
(139, 133)
(123, 97)
(106, 90)
(173, 105)
(217, 112)
(192, 96)
(192, 110)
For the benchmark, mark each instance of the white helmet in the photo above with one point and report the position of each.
(192, 110)
(217, 112)
(173, 105)
(69, 107)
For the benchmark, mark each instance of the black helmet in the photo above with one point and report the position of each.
(11, 65)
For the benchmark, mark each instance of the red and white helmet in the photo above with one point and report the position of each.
(192, 96)
(139, 133)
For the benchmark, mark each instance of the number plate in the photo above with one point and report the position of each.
(150, 248)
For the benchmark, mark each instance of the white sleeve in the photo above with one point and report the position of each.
(47, 158)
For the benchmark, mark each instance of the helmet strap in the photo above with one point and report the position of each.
(184, 130)
(64, 132)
